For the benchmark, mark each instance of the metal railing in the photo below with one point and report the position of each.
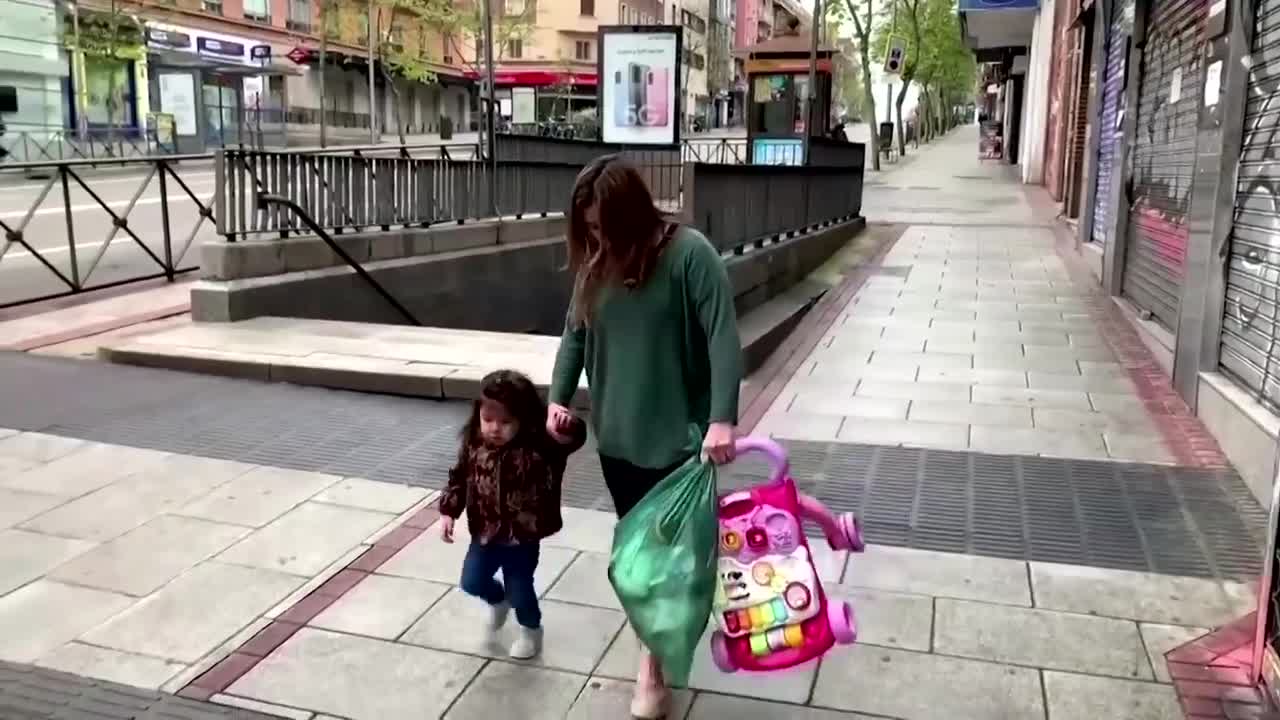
(92, 224)
(741, 205)
(54, 145)
(379, 188)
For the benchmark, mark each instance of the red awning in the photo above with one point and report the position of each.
(537, 78)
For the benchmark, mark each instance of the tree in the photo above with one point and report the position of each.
(902, 20)
(847, 79)
(945, 69)
(861, 13)
(398, 60)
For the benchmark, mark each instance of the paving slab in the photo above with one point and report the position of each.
(430, 558)
(262, 707)
(792, 686)
(709, 706)
(864, 407)
(372, 495)
(887, 618)
(39, 448)
(131, 501)
(110, 665)
(923, 572)
(1040, 638)
(575, 637)
(906, 433)
(1160, 639)
(194, 613)
(1062, 443)
(259, 496)
(608, 698)
(38, 618)
(358, 678)
(1147, 597)
(83, 470)
(585, 530)
(306, 539)
(381, 606)
(971, 414)
(586, 581)
(25, 556)
(508, 690)
(1085, 697)
(144, 559)
(18, 505)
(917, 686)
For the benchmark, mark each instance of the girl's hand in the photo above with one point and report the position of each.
(559, 423)
(446, 529)
(718, 444)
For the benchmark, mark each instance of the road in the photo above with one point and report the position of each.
(102, 253)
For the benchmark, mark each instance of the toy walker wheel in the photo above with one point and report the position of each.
(720, 652)
(840, 617)
(852, 532)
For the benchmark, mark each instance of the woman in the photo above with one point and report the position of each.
(652, 321)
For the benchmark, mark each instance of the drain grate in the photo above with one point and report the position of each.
(1138, 517)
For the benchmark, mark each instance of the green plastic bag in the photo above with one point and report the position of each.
(663, 565)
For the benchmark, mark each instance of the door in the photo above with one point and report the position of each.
(1119, 29)
(1164, 158)
(1079, 127)
(1249, 352)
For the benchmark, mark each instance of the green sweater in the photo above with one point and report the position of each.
(659, 358)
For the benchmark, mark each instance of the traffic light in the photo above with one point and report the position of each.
(896, 57)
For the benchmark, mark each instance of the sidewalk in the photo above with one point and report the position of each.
(1044, 527)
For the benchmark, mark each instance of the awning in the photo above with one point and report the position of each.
(537, 78)
(192, 61)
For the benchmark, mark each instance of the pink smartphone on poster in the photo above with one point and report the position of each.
(655, 96)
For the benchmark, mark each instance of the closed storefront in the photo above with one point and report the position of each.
(1078, 117)
(1250, 352)
(1164, 146)
(1119, 29)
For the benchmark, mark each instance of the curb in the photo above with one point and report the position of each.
(97, 328)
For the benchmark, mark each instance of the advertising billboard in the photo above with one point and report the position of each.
(639, 84)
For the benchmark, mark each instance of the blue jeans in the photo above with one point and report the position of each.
(517, 563)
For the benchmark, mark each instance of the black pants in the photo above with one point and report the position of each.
(629, 483)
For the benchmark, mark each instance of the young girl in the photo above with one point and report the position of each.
(508, 477)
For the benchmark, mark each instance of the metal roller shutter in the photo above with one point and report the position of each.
(1249, 350)
(1164, 157)
(1118, 30)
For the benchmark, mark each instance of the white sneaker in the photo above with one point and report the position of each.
(528, 643)
(650, 703)
(498, 615)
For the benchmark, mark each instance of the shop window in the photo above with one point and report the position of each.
(582, 50)
(109, 92)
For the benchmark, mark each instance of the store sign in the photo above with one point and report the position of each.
(260, 52)
(210, 46)
(168, 39)
(639, 97)
(299, 56)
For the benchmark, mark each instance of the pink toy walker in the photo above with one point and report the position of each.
(770, 607)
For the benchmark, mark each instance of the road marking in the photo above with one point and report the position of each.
(96, 181)
(114, 204)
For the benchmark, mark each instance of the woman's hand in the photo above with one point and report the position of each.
(446, 529)
(718, 444)
(559, 423)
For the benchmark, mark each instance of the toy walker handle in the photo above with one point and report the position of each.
(777, 456)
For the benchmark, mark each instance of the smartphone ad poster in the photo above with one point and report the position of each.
(639, 86)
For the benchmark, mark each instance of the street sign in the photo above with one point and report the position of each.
(260, 52)
(299, 55)
(897, 56)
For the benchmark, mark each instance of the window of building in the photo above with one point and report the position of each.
(447, 49)
(587, 8)
(300, 15)
(515, 48)
(212, 6)
(622, 14)
(514, 8)
(697, 61)
(258, 10)
(582, 50)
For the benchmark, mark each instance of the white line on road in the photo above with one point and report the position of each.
(187, 178)
(16, 214)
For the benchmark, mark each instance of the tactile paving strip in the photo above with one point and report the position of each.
(1163, 519)
(28, 693)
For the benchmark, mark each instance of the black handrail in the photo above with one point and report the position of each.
(269, 199)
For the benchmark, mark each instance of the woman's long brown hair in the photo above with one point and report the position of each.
(631, 232)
